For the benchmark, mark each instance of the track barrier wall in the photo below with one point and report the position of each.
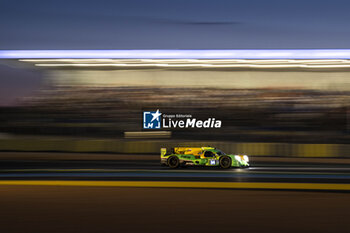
(153, 147)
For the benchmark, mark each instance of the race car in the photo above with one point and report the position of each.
(201, 156)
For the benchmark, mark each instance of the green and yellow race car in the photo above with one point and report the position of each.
(201, 156)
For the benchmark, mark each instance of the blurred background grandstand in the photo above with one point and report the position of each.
(292, 101)
(248, 114)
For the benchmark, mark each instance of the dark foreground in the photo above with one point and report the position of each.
(112, 209)
(54, 206)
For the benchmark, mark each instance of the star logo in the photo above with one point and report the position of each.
(156, 115)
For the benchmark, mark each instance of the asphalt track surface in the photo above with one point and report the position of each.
(57, 166)
(52, 192)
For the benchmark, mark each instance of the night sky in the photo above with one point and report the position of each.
(165, 24)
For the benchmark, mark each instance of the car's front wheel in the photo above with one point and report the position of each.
(173, 162)
(225, 162)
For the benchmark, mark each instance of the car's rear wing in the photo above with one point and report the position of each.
(162, 152)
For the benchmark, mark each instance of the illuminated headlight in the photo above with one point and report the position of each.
(237, 157)
(245, 158)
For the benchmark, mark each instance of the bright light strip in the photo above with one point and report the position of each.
(180, 54)
(193, 65)
(112, 64)
(170, 60)
(79, 60)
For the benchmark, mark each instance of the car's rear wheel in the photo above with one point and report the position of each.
(225, 162)
(173, 162)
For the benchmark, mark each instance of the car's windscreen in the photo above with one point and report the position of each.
(219, 152)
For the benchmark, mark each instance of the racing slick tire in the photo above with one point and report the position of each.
(225, 162)
(173, 162)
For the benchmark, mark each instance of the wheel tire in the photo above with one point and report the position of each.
(173, 162)
(225, 162)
